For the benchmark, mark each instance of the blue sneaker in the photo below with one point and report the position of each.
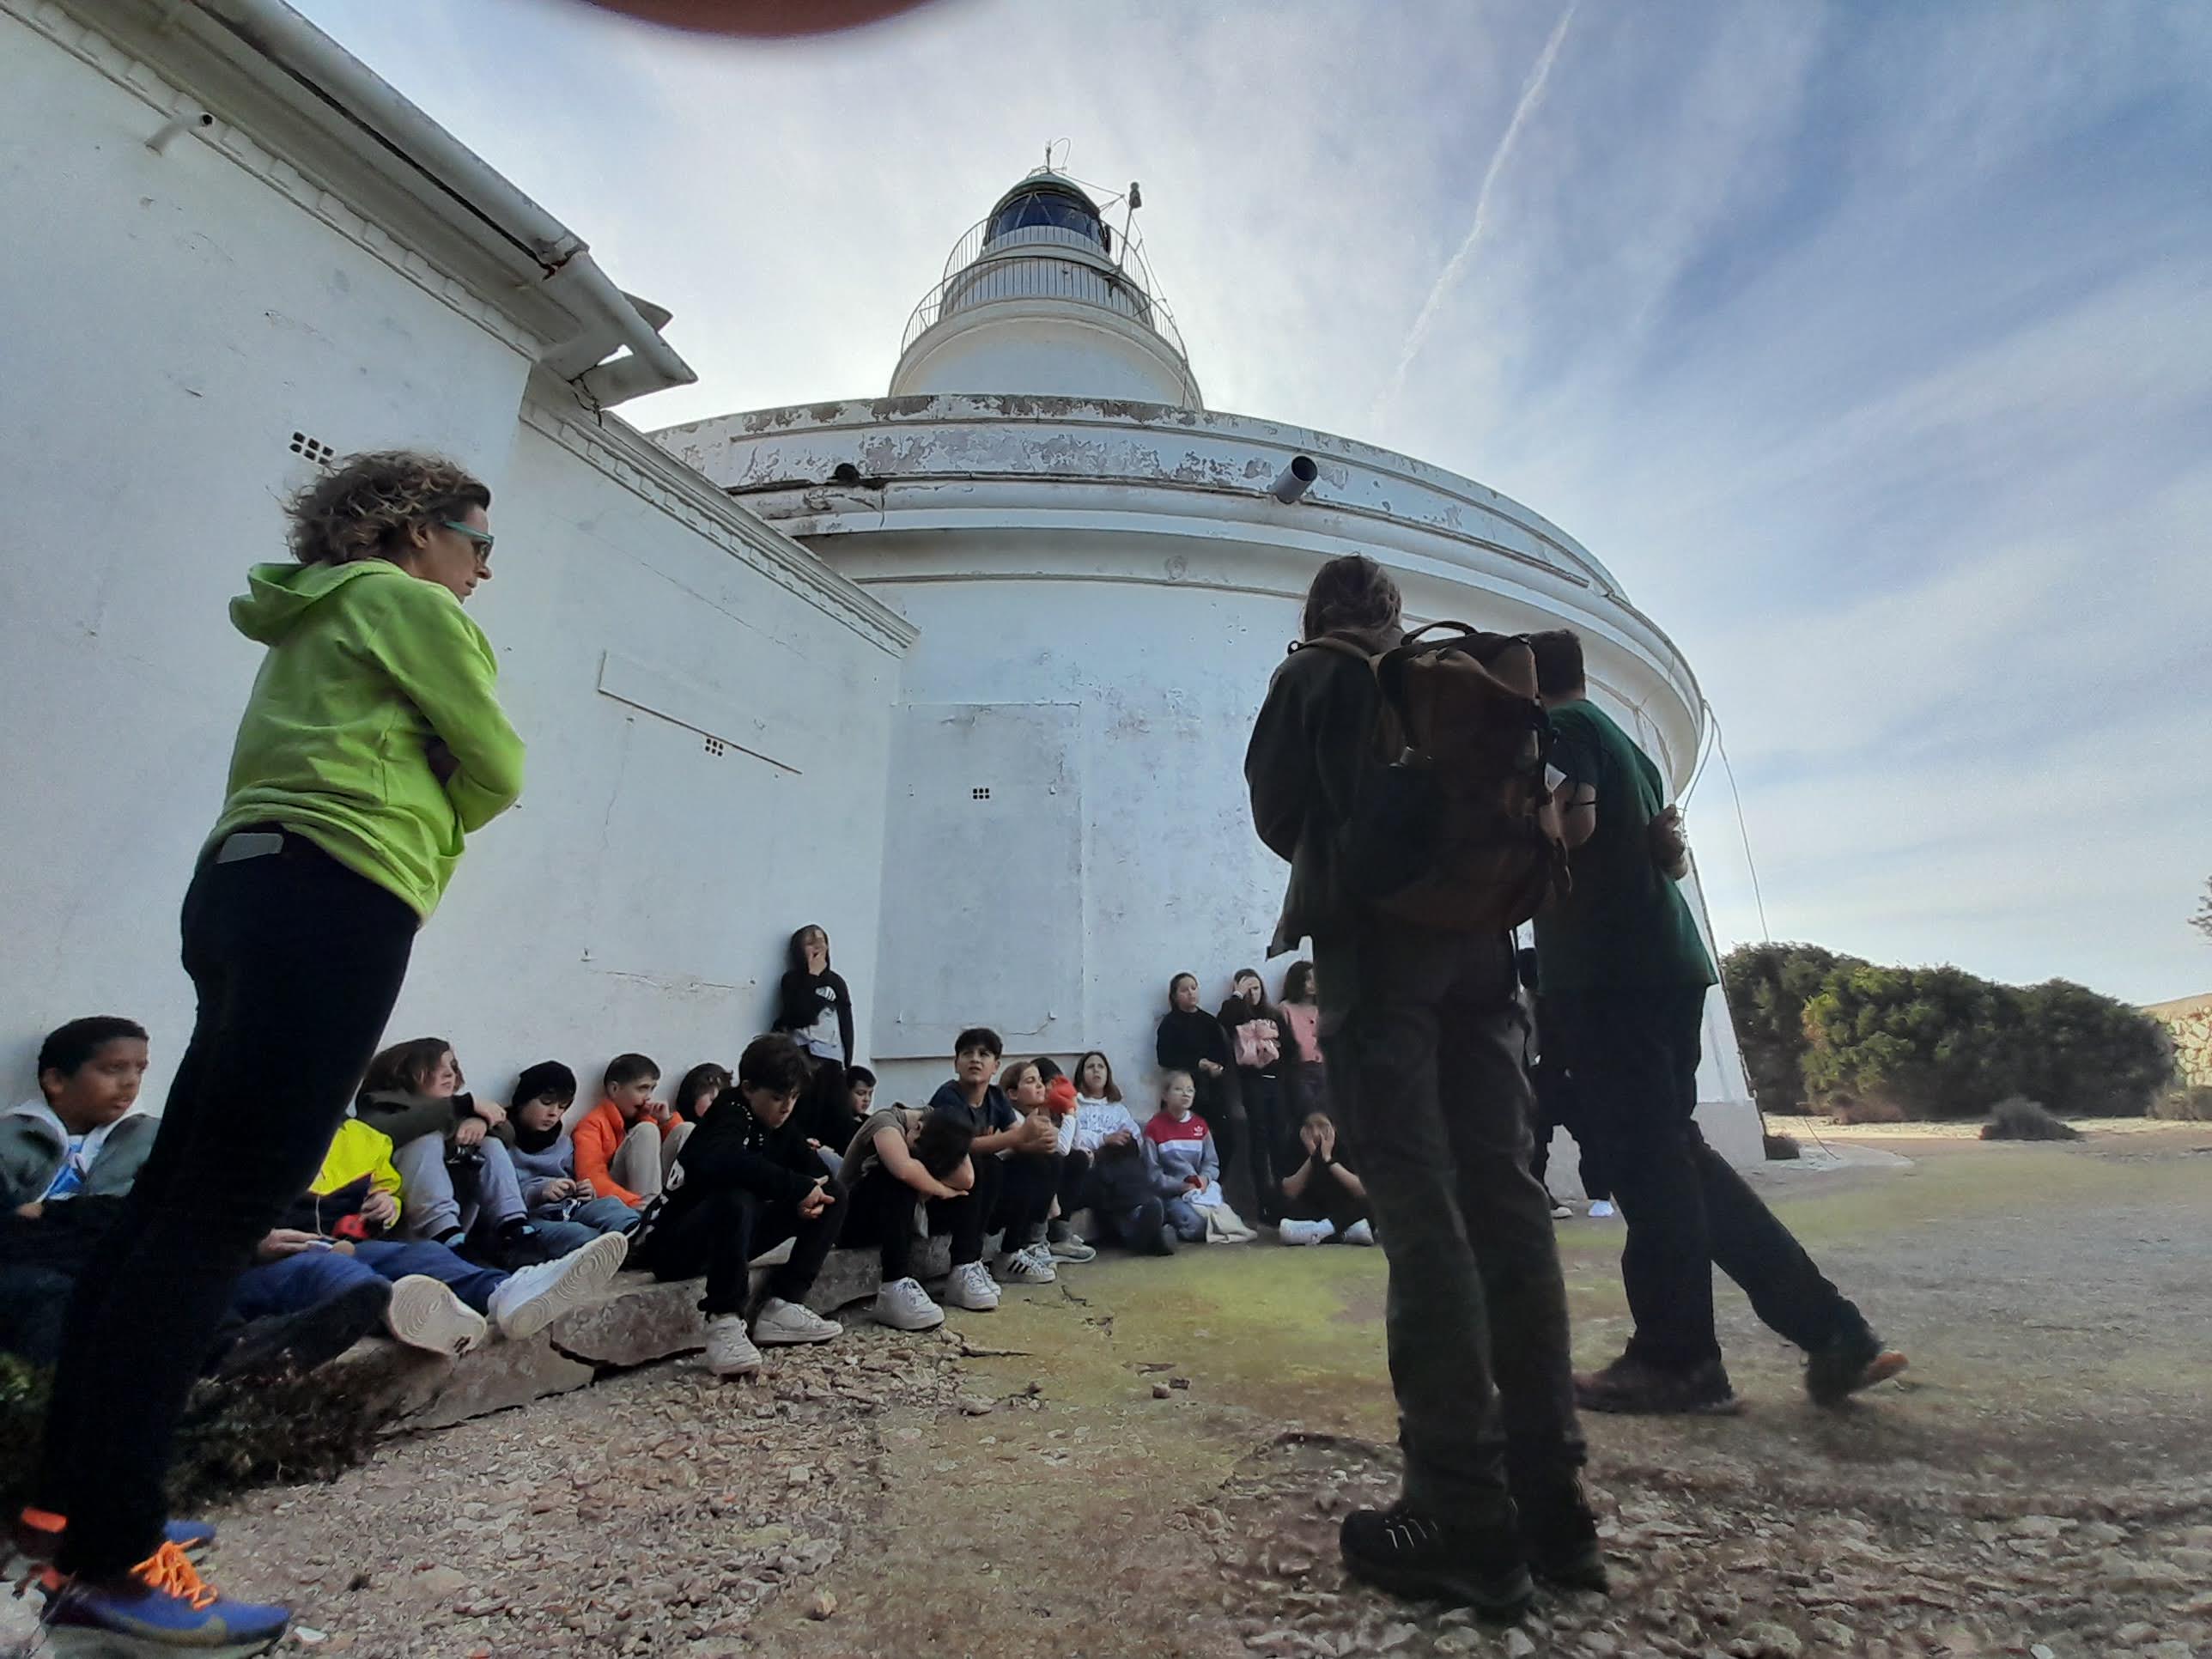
(161, 1606)
(39, 1534)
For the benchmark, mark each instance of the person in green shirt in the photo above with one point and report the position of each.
(1625, 975)
(371, 744)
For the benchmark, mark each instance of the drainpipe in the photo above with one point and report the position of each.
(458, 183)
(1294, 480)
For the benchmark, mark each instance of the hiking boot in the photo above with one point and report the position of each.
(424, 1313)
(1558, 1533)
(1359, 1232)
(968, 1287)
(903, 1305)
(780, 1324)
(526, 1301)
(1632, 1386)
(298, 1342)
(1306, 1232)
(1420, 1557)
(1020, 1267)
(38, 1532)
(1853, 1361)
(730, 1351)
(159, 1605)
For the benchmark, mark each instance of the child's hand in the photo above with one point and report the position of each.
(582, 1189)
(1036, 1135)
(284, 1242)
(1119, 1138)
(491, 1112)
(554, 1191)
(380, 1208)
(32, 1210)
(1210, 1067)
(943, 1191)
(817, 1200)
(470, 1132)
(1193, 1183)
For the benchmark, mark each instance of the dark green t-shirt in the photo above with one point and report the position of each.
(1625, 923)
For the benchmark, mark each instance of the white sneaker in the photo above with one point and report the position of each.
(425, 1314)
(969, 1287)
(531, 1299)
(1021, 1267)
(1359, 1232)
(1601, 1209)
(730, 1352)
(1071, 1249)
(1560, 1210)
(780, 1324)
(903, 1305)
(1306, 1232)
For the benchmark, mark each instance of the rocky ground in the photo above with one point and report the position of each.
(1151, 1458)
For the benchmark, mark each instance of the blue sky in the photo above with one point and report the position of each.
(1870, 347)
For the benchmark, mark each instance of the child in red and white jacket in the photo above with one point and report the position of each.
(1189, 1178)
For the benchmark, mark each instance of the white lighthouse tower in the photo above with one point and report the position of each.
(1104, 574)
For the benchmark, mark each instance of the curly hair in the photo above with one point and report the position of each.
(365, 506)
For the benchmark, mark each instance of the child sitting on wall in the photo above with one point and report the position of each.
(1062, 1242)
(746, 1186)
(544, 1157)
(1012, 1158)
(1122, 1188)
(900, 1159)
(452, 1157)
(1321, 1198)
(627, 1143)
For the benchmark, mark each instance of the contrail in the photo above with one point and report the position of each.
(1418, 336)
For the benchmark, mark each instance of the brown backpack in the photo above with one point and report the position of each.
(1452, 825)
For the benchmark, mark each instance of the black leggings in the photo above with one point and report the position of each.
(719, 1233)
(296, 961)
(879, 1216)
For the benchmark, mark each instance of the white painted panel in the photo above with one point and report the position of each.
(985, 848)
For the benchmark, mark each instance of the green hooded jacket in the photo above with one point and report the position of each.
(367, 667)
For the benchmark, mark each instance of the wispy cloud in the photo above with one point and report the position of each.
(1870, 348)
(1456, 267)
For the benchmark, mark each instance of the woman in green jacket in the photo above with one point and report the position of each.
(372, 743)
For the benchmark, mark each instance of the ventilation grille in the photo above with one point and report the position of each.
(982, 792)
(716, 746)
(313, 448)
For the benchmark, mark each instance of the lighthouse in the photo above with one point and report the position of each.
(1104, 573)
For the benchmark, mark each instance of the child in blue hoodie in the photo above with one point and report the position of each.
(544, 1158)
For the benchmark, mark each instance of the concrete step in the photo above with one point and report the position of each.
(634, 1322)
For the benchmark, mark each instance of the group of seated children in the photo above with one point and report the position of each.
(442, 1217)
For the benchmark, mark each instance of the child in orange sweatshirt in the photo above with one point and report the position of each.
(625, 1143)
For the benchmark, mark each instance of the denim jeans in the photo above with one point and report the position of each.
(1423, 1041)
(1632, 1054)
(1185, 1217)
(296, 961)
(294, 1284)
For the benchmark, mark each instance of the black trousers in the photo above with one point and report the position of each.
(1071, 1176)
(1325, 1198)
(1555, 1109)
(879, 1216)
(719, 1231)
(1273, 1139)
(1027, 1183)
(1633, 1054)
(296, 961)
(1424, 1047)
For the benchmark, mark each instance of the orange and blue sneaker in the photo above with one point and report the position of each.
(39, 1534)
(161, 1606)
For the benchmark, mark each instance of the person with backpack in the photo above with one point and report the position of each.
(1418, 1020)
(1625, 975)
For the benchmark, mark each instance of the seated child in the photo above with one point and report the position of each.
(623, 1145)
(900, 1159)
(452, 1155)
(332, 1254)
(1060, 1239)
(66, 1160)
(1189, 1169)
(747, 1186)
(1025, 1245)
(544, 1157)
(702, 1087)
(1321, 1198)
(1121, 1187)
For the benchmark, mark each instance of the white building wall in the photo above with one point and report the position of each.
(168, 333)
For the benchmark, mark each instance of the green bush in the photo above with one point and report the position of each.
(2022, 1118)
(236, 1434)
(1824, 1030)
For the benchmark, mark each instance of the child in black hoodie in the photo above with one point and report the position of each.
(747, 1185)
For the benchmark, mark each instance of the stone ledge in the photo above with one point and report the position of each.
(634, 1322)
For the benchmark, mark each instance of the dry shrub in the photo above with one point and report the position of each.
(2190, 1103)
(1850, 1109)
(2019, 1118)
